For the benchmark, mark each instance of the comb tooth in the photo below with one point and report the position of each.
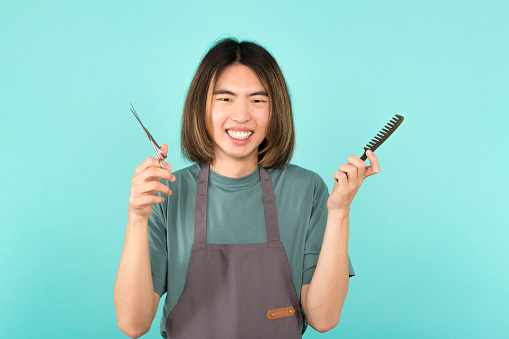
(386, 131)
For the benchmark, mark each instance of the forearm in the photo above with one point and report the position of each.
(134, 291)
(329, 286)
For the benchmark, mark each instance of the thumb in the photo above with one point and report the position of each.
(164, 150)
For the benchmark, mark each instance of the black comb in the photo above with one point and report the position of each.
(383, 135)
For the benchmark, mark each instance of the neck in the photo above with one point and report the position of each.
(234, 168)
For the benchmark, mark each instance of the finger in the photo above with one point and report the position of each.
(153, 173)
(374, 166)
(151, 162)
(351, 172)
(340, 176)
(360, 164)
(355, 160)
(164, 151)
(150, 188)
(145, 200)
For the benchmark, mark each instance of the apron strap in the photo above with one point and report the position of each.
(269, 206)
(200, 214)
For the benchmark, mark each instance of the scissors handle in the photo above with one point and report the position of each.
(157, 154)
(161, 163)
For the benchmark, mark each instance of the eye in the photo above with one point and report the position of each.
(258, 101)
(224, 99)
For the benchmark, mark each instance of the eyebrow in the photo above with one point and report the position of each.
(225, 91)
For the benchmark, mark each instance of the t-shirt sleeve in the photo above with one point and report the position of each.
(316, 231)
(157, 246)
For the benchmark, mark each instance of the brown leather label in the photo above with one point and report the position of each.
(280, 313)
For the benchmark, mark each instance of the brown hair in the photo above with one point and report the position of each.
(277, 148)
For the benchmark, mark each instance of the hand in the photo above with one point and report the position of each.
(348, 181)
(145, 184)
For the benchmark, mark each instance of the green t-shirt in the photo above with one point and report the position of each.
(235, 215)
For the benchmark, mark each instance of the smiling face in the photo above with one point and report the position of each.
(239, 114)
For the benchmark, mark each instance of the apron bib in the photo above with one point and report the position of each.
(236, 291)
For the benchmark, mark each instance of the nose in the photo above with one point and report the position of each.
(241, 111)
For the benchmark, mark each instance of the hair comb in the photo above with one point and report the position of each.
(384, 134)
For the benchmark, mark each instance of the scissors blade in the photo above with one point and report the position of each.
(146, 130)
(136, 115)
(150, 137)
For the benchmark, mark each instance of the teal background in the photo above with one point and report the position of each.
(428, 234)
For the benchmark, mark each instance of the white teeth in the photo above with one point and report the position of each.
(238, 134)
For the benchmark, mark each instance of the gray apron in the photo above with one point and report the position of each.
(236, 291)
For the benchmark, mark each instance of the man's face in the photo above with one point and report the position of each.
(240, 111)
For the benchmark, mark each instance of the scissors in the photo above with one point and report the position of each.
(156, 147)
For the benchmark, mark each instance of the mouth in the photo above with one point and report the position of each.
(239, 135)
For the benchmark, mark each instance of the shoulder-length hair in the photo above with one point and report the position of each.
(196, 141)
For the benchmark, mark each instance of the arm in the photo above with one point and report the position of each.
(135, 300)
(322, 299)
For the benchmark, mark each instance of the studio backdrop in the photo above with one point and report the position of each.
(428, 234)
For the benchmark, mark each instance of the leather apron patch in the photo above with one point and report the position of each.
(280, 313)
